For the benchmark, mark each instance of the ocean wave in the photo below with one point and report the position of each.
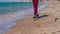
(8, 20)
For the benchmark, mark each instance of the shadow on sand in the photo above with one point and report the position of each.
(43, 16)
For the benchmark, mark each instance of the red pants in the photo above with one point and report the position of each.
(35, 4)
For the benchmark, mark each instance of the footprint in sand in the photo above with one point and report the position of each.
(57, 19)
(58, 31)
(53, 32)
(38, 25)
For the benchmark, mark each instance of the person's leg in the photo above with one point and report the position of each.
(35, 4)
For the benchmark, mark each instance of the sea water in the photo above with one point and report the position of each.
(13, 6)
(12, 11)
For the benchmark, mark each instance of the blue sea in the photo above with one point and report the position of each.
(14, 6)
(10, 12)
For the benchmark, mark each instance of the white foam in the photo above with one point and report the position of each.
(8, 20)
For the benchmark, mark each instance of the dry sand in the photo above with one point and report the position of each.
(45, 25)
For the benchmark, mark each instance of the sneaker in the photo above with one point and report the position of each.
(34, 17)
(37, 15)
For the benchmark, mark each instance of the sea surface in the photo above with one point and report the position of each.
(10, 12)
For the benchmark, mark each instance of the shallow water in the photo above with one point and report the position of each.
(14, 6)
(8, 18)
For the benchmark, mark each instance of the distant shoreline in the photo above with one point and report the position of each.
(17, 16)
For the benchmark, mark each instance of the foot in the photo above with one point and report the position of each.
(36, 16)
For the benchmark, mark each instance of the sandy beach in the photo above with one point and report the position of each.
(46, 25)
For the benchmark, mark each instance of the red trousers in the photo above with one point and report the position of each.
(35, 4)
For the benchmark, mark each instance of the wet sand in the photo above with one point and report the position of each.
(46, 25)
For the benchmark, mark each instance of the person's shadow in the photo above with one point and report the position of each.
(43, 16)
